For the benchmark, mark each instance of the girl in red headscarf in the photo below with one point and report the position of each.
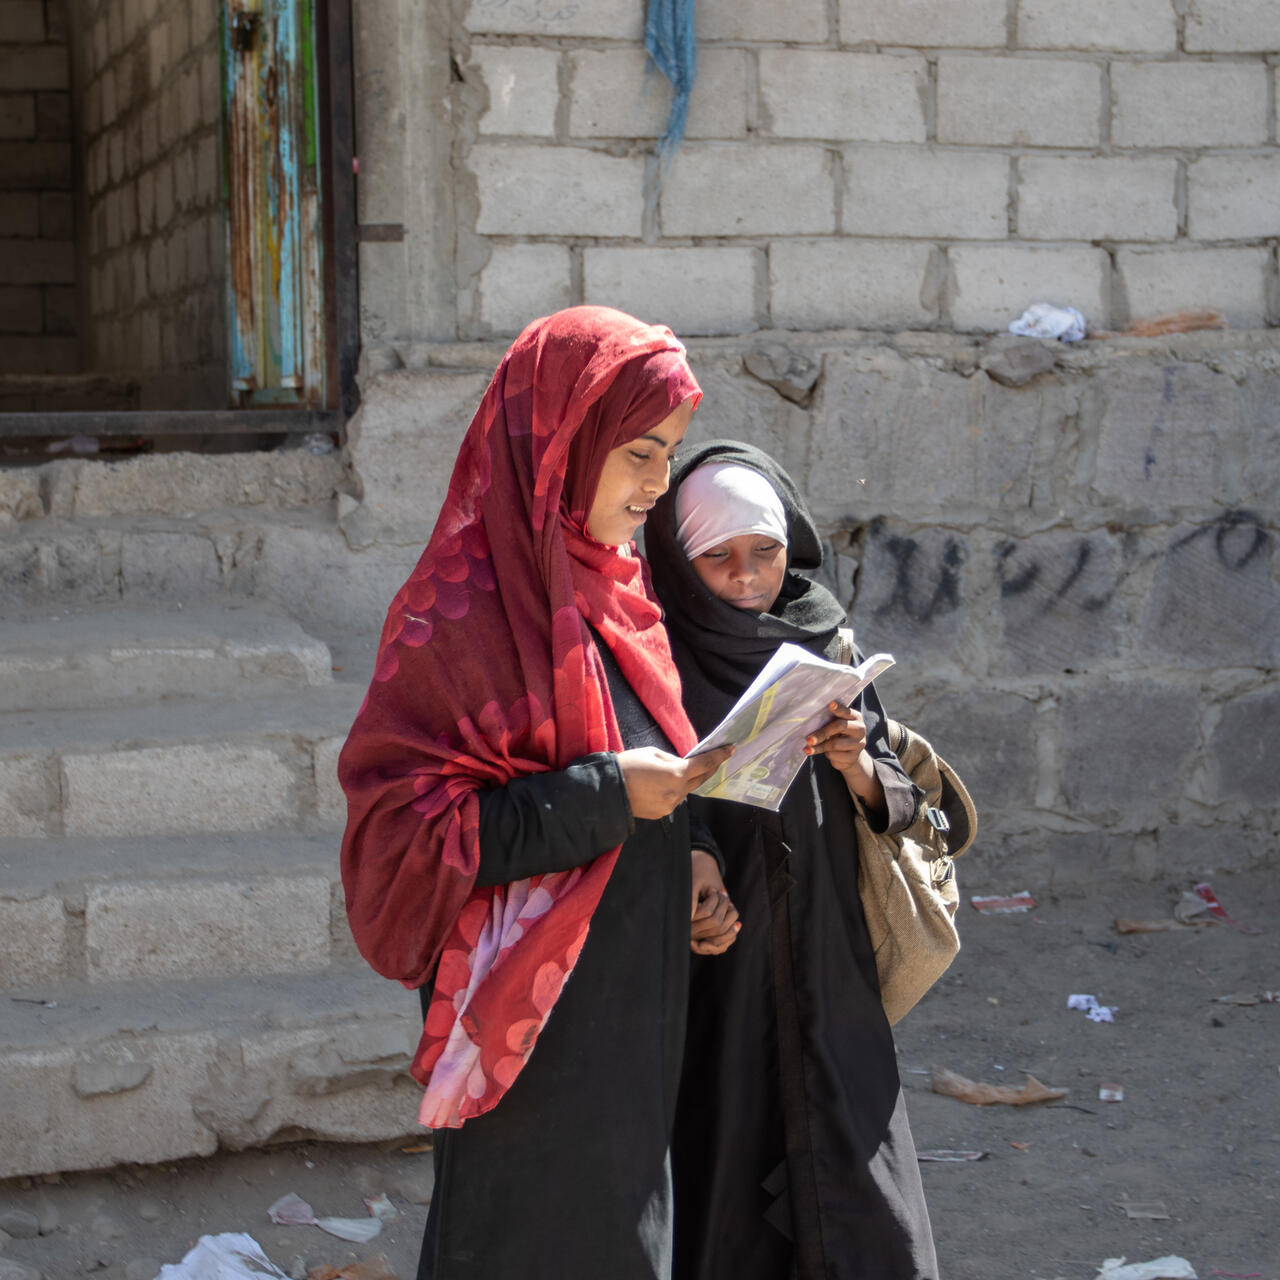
(516, 844)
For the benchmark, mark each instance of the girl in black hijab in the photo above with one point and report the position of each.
(793, 1156)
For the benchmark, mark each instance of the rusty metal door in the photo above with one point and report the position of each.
(271, 188)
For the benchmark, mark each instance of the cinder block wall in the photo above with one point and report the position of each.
(848, 163)
(148, 99)
(37, 238)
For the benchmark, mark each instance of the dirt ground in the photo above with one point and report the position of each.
(1187, 1164)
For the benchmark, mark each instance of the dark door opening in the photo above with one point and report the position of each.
(177, 225)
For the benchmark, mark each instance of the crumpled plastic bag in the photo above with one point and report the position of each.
(1045, 320)
(1092, 1010)
(230, 1256)
(292, 1210)
(1167, 1268)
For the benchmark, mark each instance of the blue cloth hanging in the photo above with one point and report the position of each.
(670, 42)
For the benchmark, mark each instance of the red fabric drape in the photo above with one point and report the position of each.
(485, 672)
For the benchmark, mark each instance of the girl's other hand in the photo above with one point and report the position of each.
(657, 781)
(843, 740)
(714, 924)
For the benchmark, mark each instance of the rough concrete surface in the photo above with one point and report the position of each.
(1188, 1164)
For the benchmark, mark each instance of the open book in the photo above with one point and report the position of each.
(785, 703)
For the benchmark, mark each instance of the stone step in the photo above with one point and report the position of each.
(97, 657)
(112, 909)
(97, 1075)
(177, 767)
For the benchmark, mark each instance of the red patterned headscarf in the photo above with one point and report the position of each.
(485, 672)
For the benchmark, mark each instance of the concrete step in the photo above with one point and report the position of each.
(178, 766)
(97, 657)
(112, 909)
(101, 1074)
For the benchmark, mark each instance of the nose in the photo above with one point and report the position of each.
(658, 477)
(740, 568)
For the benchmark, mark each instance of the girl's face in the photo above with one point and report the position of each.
(746, 572)
(635, 476)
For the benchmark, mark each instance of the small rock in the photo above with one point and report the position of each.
(788, 372)
(104, 1227)
(417, 1187)
(47, 1214)
(1014, 364)
(150, 1210)
(92, 1079)
(20, 1224)
(10, 1270)
(298, 1268)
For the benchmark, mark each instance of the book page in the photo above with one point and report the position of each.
(785, 703)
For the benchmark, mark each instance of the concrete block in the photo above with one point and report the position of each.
(694, 290)
(402, 444)
(25, 795)
(1110, 772)
(1244, 749)
(21, 311)
(177, 789)
(1058, 603)
(526, 190)
(913, 587)
(925, 24)
(894, 434)
(1113, 198)
(33, 941)
(190, 928)
(739, 407)
(894, 191)
(1233, 26)
(1233, 197)
(33, 67)
(331, 803)
(1215, 601)
(798, 22)
(523, 281)
(836, 284)
(611, 19)
(20, 497)
(40, 354)
(35, 165)
(20, 215)
(993, 284)
(1038, 102)
(1154, 281)
(990, 740)
(1260, 473)
(327, 585)
(1188, 104)
(168, 564)
(145, 1118)
(861, 97)
(1161, 433)
(727, 190)
(1138, 26)
(616, 93)
(61, 309)
(23, 21)
(37, 262)
(524, 89)
(18, 115)
(53, 115)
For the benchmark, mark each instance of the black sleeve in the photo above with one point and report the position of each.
(700, 836)
(901, 795)
(547, 822)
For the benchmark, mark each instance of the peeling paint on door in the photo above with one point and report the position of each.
(271, 186)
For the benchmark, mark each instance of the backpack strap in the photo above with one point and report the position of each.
(845, 637)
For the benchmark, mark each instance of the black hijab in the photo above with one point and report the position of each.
(720, 649)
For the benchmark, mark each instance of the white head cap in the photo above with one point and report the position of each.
(724, 500)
